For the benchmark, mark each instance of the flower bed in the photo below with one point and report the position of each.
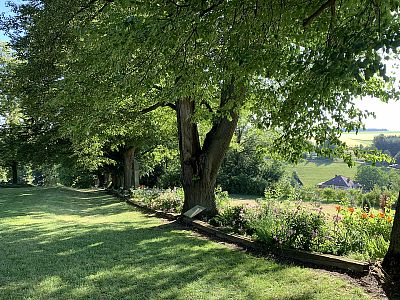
(169, 200)
(350, 232)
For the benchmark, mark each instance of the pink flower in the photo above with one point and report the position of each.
(337, 218)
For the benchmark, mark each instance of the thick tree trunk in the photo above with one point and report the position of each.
(14, 172)
(391, 262)
(101, 177)
(128, 163)
(113, 180)
(200, 165)
(117, 179)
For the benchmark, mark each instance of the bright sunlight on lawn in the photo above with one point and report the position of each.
(68, 244)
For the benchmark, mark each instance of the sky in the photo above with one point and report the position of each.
(387, 114)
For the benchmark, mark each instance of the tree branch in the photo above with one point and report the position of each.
(207, 10)
(317, 13)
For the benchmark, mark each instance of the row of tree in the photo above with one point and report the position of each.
(101, 81)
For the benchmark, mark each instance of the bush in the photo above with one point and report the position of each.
(246, 171)
(169, 200)
(370, 176)
(350, 231)
(287, 226)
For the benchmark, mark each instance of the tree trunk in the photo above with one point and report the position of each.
(128, 162)
(101, 177)
(391, 262)
(14, 171)
(200, 165)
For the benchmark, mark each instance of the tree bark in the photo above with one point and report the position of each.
(391, 262)
(14, 172)
(128, 162)
(200, 165)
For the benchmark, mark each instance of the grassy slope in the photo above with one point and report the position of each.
(312, 173)
(65, 244)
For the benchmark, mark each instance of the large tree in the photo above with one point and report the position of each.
(295, 65)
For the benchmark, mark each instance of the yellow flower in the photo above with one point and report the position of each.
(389, 219)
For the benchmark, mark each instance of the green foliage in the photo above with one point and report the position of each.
(390, 143)
(369, 176)
(171, 176)
(397, 158)
(245, 169)
(350, 232)
(355, 231)
(75, 177)
(232, 217)
(170, 200)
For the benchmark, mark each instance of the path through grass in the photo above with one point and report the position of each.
(68, 244)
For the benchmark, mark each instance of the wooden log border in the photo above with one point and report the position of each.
(313, 258)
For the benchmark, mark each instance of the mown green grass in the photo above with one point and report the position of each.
(311, 173)
(68, 244)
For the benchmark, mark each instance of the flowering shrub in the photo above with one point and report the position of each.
(287, 226)
(170, 200)
(235, 217)
(354, 231)
(351, 231)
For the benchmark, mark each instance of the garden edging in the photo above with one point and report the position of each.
(319, 259)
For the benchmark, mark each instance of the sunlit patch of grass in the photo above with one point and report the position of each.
(69, 244)
(311, 173)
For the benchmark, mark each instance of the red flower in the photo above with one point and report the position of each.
(350, 209)
(338, 208)
(364, 215)
(381, 215)
(372, 215)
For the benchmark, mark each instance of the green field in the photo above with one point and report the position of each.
(364, 137)
(70, 244)
(312, 173)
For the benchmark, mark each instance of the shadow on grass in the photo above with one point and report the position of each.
(58, 244)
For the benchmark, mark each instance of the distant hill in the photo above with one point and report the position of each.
(371, 129)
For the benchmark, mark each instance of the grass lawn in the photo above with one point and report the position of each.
(312, 173)
(68, 244)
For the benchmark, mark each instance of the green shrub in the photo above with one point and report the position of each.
(350, 231)
(169, 200)
(287, 226)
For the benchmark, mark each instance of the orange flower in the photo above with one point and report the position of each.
(350, 209)
(381, 215)
(372, 215)
(364, 216)
(389, 219)
(338, 208)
